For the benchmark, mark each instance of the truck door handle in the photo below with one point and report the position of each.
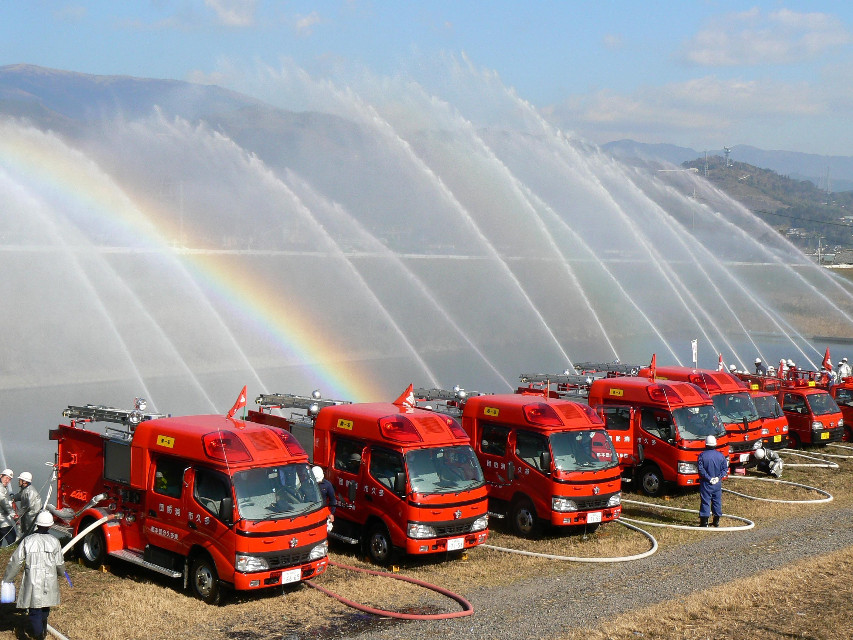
(152, 513)
(191, 525)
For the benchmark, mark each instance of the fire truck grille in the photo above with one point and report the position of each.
(287, 559)
(596, 502)
(742, 446)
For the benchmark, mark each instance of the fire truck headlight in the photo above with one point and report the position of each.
(615, 499)
(563, 504)
(419, 531)
(841, 422)
(480, 523)
(765, 432)
(817, 425)
(687, 468)
(247, 564)
(319, 551)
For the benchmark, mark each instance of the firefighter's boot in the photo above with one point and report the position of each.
(716, 521)
(703, 521)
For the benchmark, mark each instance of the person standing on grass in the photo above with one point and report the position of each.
(41, 556)
(7, 510)
(713, 467)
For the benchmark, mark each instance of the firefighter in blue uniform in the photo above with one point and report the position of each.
(713, 467)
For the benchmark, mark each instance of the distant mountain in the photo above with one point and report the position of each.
(796, 165)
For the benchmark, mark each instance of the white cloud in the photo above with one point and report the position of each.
(754, 37)
(305, 24)
(233, 13)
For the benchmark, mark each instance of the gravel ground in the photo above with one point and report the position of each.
(553, 606)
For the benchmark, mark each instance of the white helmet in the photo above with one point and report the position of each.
(790, 362)
(758, 361)
(732, 368)
(44, 519)
(7, 472)
(759, 453)
(26, 476)
(318, 473)
(710, 441)
(843, 359)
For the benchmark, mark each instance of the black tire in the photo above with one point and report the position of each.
(651, 481)
(92, 549)
(523, 518)
(847, 435)
(793, 441)
(204, 580)
(378, 545)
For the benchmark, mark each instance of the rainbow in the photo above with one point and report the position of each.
(74, 182)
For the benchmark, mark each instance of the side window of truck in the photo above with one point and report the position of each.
(169, 477)
(657, 423)
(384, 466)
(795, 403)
(210, 489)
(348, 455)
(844, 396)
(617, 418)
(493, 440)
(529, 447)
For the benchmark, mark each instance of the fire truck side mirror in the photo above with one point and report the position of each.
(226, 511)
(545, 461)
(400, 483)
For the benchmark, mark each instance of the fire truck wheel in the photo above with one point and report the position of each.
(793, 441)
(651, 481)
(93, 548)
(204, 580)
(523, 518)
(847, 436)
(379, 546)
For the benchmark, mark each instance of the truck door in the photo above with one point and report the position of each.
(798, 414)
(380, 487)
(166, 517)
(494, 458)
(204, 511)
(617, 421)
(346, 475)
(656, 440)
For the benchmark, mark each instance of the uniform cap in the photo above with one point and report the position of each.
(26, 476)
(44, 519)
(318, 473)
(8, 472)
(710, 441)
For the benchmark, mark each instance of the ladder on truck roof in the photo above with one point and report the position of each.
(608, 367)
(129, 418)
(453, 399)
(311, 405)
(566, 385)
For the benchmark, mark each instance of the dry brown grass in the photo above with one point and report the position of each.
(131, 603)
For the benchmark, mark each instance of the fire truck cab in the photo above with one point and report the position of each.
(214, 500)
(733, 402)
(405, 478)
(658, 428)
(813, 416)
(543, 459)
(841, 392)
(774, 425)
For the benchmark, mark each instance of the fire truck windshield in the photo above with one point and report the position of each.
(269, 492)
(821, 404)
(443, 469)
(587, 450)
(695, 423)
(768, 407)
(844, 397)
(734, 407)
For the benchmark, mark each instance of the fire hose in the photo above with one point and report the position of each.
(827, 498)
(467, 607)
(822, 463)
(548, 556)
(749, 523)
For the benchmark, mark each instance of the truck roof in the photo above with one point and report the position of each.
(637, 390)
(712, 382)
(510, 408)
(391, 423)
(218, 439)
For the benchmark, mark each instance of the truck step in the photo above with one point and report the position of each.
(136, 558)
(494, 514)
(338, 536)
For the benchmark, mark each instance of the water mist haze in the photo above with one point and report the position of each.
(177, 241)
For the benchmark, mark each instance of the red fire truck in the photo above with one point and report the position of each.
(405, 478)
(543, 459)
(213, 500)
(733, 402)
(812, 413)
(658, 427)
(774, 424)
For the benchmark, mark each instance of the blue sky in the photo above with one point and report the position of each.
(703, 74)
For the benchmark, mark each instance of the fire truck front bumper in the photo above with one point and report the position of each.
(442, 545)
(263, 579)
(576, 518)
(825, 436)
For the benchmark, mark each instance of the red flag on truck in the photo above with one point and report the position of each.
(722, 365)
(241, 402)
(653, 366)
(827, 361)
(406, 399)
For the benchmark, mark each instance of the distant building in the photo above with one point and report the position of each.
(845, 256)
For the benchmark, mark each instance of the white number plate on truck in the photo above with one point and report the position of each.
(744, 457)
(455, 544)
(594, 516)
(293, 575)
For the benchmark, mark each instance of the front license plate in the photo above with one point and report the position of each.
(594, 516)
(744, 457)
(455, 544)
(824, 436)
(777, 438)
(293, 575)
